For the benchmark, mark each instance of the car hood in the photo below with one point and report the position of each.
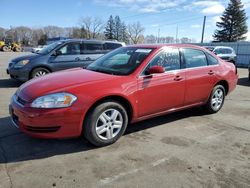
(26, 57)
(60, 82)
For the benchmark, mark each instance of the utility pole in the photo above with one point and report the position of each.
(158, 40)
(176, 36)
(203, 29)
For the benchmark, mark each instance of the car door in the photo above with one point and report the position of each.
(68, 56)
(165, 91)
(91, 52)
(200, 78)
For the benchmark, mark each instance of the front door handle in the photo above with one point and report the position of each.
(178, 78)
(77, 59)
(211, 72)
(88, 58)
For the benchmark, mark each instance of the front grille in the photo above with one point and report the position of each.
(42, 129)
(21, 101)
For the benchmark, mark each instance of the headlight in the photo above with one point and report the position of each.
(20, 64)
(57, 100)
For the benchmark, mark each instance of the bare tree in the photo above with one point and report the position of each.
(92, 26)
(2, 33)
(135, 32)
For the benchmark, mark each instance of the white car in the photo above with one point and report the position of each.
(224, 52)
(38, 48)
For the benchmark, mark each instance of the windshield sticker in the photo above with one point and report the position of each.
(143, 50)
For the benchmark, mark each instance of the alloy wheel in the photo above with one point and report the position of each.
(109, 124)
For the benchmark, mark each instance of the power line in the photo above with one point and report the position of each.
(163, 24)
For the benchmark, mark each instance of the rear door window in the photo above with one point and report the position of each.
(194, 58)
(93, 48)
(212, 60)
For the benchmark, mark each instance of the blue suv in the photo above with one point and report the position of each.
(58, 56)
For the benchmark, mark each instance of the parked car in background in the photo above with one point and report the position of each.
(38, 48)
(58, 56)
(225, 53)
(129, 84)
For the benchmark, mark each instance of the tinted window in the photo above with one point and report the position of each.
(93, 47)
(111, 46)
(169, 59)
(194, 58)
(212, 60)
(70, 49)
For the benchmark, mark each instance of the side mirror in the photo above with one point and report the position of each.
(215, 53)
(155, 70)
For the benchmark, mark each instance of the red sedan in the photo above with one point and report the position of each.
(127, 85)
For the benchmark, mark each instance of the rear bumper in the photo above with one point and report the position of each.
(46, 123)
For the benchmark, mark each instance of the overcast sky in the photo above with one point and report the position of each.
(155, 15)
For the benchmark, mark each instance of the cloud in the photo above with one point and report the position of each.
(246, 3)
(209, 7)
(155, 25)
(195, 26)
(143, 5)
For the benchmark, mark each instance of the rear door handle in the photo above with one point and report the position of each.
(211, 72)
(77, 59)
(178, 78)
(88, 58)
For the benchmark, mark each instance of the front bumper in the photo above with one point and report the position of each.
(19, 74)
(47, 123)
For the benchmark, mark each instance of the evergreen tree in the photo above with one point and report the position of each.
(110, 29)
(118, 28)
(124, 33)
(233, 25)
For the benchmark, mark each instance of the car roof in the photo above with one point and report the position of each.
(158, 46)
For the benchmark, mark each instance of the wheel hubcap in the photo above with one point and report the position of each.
(40, 73)
(217, 99)
(109, 124)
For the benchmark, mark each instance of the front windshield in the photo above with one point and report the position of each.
(122, 61)
(49, 48)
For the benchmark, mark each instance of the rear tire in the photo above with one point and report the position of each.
(216, 99)
(38, 72)
(18, 49)
(105, 124)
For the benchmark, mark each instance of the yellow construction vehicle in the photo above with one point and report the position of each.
(16, 47)
(4, 47)
(10, 46)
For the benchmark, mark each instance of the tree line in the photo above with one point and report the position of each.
(89, 28)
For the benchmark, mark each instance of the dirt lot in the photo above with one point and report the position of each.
(184, 149)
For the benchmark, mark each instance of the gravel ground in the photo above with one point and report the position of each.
(184, 149)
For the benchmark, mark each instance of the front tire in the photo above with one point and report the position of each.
(38, 72)
(216, 99)
(105, 124)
